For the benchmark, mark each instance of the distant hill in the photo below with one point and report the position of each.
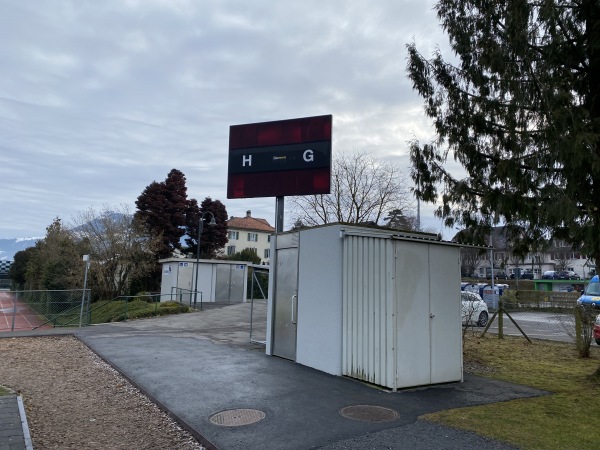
(8, 247)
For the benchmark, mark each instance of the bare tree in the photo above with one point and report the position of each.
(470, 261)
(363, 190)
(539, 259)
(119, 248)
(562, 262)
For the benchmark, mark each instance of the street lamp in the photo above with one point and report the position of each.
(86, 260)
(212, 223)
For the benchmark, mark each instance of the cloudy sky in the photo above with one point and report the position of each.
(100, 98)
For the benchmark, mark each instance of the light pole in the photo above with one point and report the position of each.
(212, 223)
(86, 259)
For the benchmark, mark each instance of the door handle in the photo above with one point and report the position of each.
(293, 308)
(431, 316)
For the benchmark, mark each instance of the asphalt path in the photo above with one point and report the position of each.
(197, 366)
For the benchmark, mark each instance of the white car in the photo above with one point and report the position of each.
(474, 309)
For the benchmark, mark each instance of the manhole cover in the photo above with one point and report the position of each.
(237, 417)
(369, 413)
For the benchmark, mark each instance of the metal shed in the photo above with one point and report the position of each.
(218, 281)
(373, 304)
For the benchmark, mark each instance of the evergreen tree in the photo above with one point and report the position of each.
(18, 269)
(162, 207)
(521, 113)
(214, 237)
(398, 220)
(246, 254)
(56, 264)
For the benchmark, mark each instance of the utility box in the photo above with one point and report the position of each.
(373, 304)
(218, 281)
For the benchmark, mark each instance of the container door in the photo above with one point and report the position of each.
(446, 337)
(222, 284)
(413, 319)
(236, 287)
(285, 303)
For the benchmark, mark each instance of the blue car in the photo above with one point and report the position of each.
(591, 295)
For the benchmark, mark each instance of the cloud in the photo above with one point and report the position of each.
(99, 99)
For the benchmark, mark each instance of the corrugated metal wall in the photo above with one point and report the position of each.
(368, 328)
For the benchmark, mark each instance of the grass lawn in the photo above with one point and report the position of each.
(566, 419)
(4, 391)
(118, 310)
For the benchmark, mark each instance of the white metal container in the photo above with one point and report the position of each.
(373, 304)
(218, 280)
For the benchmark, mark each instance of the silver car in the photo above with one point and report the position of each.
(474, 309)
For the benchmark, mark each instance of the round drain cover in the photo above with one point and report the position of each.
(237, 417)
(369, 413)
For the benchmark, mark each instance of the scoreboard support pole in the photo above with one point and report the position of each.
(279, 214)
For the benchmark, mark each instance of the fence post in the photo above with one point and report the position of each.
(578, 328)
(126, 306)
(500, 319)
(12, 327)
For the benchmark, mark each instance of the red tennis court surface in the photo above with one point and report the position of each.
(20, 318)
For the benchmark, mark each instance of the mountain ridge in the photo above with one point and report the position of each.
(10, 246)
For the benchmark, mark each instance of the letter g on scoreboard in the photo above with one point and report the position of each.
(280, 158)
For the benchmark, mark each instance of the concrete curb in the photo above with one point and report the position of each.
(26, 435)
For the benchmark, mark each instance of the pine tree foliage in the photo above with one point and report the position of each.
(55, 263)
(400, 221)
(520, 112)
(213, 238)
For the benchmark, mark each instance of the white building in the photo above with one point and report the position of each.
(560, 256)
(249, 232)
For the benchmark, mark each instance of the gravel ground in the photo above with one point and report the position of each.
(74, 400)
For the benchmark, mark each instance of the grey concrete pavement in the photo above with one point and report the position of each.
(201, 364)
(14, 432)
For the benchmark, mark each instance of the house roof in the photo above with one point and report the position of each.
(249, 223)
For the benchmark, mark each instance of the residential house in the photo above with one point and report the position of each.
(560, 256)
(249, 232)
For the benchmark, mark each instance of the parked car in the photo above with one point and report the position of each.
(474, 309)
(591, 295)
(524, 276)
(597, 330)
(501, 276)
(549, 275)
(566, 275)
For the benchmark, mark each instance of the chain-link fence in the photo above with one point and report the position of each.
(31, 310)
(258, 292)
(534, 315)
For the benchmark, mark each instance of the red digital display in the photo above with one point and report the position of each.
(285, 157)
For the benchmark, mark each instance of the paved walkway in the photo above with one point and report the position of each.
(14, 432)
(202, 368)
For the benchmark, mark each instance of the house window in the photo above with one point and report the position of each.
(233, 235)
(269, 238)
(230, 250)
(253, 237)
(267, 253)
(253, 250)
